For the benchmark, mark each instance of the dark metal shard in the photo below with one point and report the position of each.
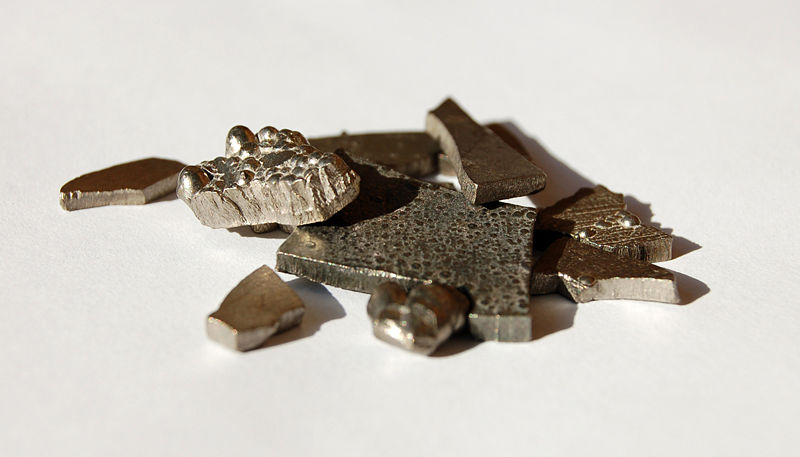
(488, 169)
(415, 232)
(584, 273)
(419, 321)
(257, 308)
(411, 153)
(598, 218)
(132, 183)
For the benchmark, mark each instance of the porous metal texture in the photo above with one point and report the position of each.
(598, 218)
(419, 321)
(132, 183)
(488, 169)
(257, 308)
(414, 232)
(411, 153)
(584, 273)
(280, 179)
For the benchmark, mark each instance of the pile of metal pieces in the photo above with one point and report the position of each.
(435, 260)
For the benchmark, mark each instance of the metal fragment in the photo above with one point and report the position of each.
(282, 179)
(411, 153)
(132, 183)
(420, 321)
(488, 169)
(264, 228)
(584, 273)
(257, 308)
(415, 232)
(598, 218)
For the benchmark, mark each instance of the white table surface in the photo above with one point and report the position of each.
(690, 108)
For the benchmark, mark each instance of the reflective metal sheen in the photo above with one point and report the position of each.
(584, 273)
(132, 183)
(280, 179)
(598, 218)
(258, 307)
(419, 321)
(488, 169)
(414, 232)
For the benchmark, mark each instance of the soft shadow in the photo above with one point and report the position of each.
(689, 288)
(247, 232)
(456, 344)
(321, 307)
(166, 198)
(551, 313)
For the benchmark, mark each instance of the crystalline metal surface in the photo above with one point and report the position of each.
(488, 169)
(584, 273)
(598, 218)
(258, 307)
(411, 153)
(419, 321)
(415, 232)
(132, 183)
(280, 179)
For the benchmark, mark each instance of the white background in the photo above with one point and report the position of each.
(690, 107)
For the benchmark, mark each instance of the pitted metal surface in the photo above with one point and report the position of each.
(598, 218)
(414, 232)
(281, 179)
(584, 273)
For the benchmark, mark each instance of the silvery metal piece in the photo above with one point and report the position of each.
(132, 183)
(488, 169)
(420, 321)
(584, 273)
(258, 307)
(283, 180)
(240, 142)
(414, 232)
(411, 153)
(598, 218)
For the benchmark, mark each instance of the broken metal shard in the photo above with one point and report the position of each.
(258, 307)
(414, 232)
(282, 179)
(411, 153)
(420, 321)
(584, 273)
(132, 183)
(598, 218)
(488, 169)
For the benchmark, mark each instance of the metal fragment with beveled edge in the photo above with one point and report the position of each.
(257, 308)
(488, 169)
(584, 273)
(414, 232)
(598, 217)
(280, 179)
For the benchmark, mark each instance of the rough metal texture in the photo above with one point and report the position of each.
(598, 218)
(415, 232)
(258, 307)
(411, 153)
(584, 273)
(280, 179)
(132, 183)
(488, 169)
(420, 321)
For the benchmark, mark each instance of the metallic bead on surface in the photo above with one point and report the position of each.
(419, 321)
(584, 273)
(598, 218)
(283, 180)
(411, 153)
(257, 308)
(488, 169)
(132, 183)
(239, 142)
(414, 232)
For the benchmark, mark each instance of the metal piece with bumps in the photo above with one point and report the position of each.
(279, 179)
(598, 218)
(414, 232)
(257, 308)
(418, 321)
